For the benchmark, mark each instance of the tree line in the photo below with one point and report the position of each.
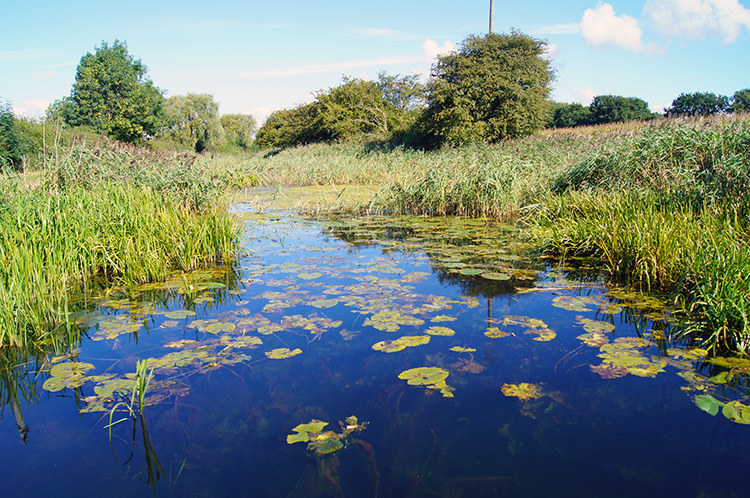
(494, 87)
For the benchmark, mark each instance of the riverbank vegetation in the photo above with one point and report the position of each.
(104, 215)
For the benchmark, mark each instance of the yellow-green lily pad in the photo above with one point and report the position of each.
(523, 391)
(282, 353)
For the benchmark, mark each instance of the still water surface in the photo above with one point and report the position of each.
(555, 385)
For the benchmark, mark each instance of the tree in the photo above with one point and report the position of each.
(354, 110)
(12, 146)
(113, 95)
(193, 121)
(699, 104)
(615, 109)
(568, 115)
(741, 100)
(494, 87)
(239, 129)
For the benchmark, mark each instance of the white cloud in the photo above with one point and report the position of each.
(585, 95)
(31, 108)
(260, 114)
(601, 26)
(551, 51)
(725, 19)
(433, 49)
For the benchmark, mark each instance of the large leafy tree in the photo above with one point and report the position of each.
(239, 129)
(699, 104)
(112, 94)
(494, 87)
(615, 109)
(193, 121)
(741, 100)
(568, 115)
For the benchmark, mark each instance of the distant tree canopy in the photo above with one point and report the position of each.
(494, 87)
(699, 104)
(616, 109)
(12, 146)
(238, 129)
(193, 121)
(113, 95)
(569, 115)
(741, 100)
(350, 111)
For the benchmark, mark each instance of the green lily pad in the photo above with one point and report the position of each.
(523, 391)
(708, 403)
(282, 353)
(401, 343)
(493, 275)
(470, 271)
(179, 314)
(440, 331)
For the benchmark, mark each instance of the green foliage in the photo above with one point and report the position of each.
(741, 100)
(616, 109)
(569, 115)
(699, 104)
(238, 129)
(113, 95)
(355, 110)
(494, 87)
(12, 145)
(193, 121)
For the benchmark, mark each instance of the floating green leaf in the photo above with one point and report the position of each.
(492, 275)
(523, 391)
(440, 331)
(429, 377)
(461, 349)
(401, 343)
(304, 432)
(708, 403)
(282, 353)
(495, 333)
(737, 412)
(573, 303)
(179, 314)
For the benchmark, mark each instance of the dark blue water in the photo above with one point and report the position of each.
(220, 424)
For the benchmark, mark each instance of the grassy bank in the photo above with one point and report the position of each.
(103, 216)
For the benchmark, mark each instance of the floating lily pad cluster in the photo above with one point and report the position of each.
(523, 391)
(325, 443)
(531, 326)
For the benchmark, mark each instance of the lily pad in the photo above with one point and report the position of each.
(523, 391)
(440, 331)
(493, 275)
(401, 343)
(282, 353)
(708, 403)
(495, 333)
(303, 431)
(461, 349)
(179, 314)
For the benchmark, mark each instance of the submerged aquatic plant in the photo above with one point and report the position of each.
(323, 444)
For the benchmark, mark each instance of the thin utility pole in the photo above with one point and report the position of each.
(492, 13)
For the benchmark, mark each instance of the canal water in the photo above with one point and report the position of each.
(376, 356)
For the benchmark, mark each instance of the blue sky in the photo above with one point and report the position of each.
(258, 56)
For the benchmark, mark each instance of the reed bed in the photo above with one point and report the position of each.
(104, 217)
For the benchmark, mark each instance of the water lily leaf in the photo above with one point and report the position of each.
(542, 335)
(423, 376)
(492, 275)
(495, 333)
(737, 412)
(401, 343)
(282, 353)
(303, 431)
(470, 271)
(708, 403)
(324, 303)
(326, 446)
(523, 391)
(219, 327)
(594, 339)
(607, 371)
(179, 314)
(440, 331)
(54, 384)
(181, 343)
(461, 349)
(443, 318)
(309, 275)
(595, 325)
(270, 329)
(572, 303)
